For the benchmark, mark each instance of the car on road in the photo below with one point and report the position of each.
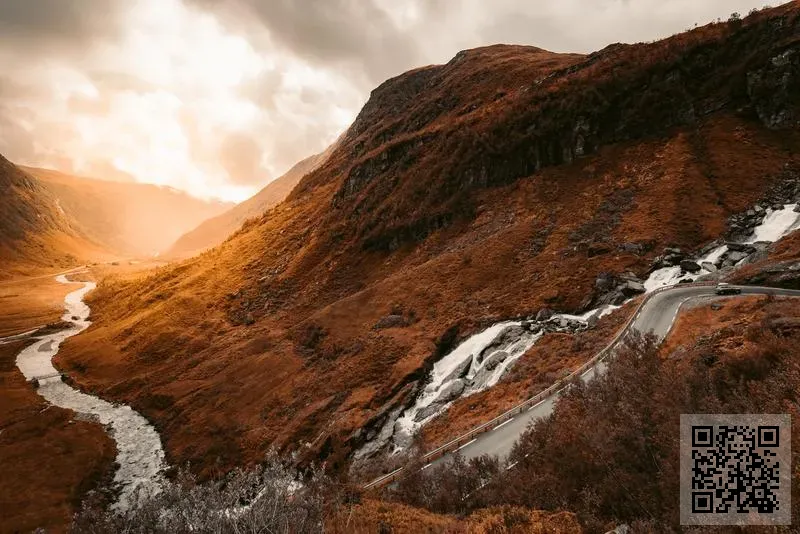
(727, 289)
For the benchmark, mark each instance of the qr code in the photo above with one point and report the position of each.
(735, 469)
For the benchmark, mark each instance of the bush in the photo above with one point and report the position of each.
(271, 498)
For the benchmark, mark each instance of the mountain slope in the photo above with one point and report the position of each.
(129, 218)
(498, 184)
(214, 231)
(35, 233)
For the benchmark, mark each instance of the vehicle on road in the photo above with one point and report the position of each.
(727, 289)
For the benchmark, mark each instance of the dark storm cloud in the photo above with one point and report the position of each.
(62, 23)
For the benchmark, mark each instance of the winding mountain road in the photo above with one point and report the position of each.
(656, 315)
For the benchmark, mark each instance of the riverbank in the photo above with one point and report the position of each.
(50, 457)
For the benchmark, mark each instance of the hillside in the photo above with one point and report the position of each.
(35, 232)
(126, 217)
(215, 230)
(505, 181)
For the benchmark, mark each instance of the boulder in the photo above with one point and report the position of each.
(736, 257)
(629, 276)
(631, 288)
(708, 266)
(740, 247)
(495, 359)
(451, 391)
(690, 266)
(426, 412)
(797, 208)
(544, 314)
(460, 371)
(604, 282)
(670, 260)
(390, 321)
(509, 335)
(613, 297)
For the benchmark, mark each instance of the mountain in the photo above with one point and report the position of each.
(214, 231)
(126, 217)
(508, 180)
(35, 232)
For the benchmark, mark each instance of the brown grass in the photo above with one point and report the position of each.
(380, 516)
(49, 460)
(435, 209)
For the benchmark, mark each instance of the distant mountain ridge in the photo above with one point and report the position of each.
(128, 218)
(214, 231)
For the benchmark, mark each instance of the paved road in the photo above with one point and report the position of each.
(656, 316)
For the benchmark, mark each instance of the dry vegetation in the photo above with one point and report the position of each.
(456, 199)
(609, 453)
(30, 303)
(49, 458)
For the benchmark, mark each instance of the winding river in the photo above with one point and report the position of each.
(140, 457)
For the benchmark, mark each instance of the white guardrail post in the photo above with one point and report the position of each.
(557, 386)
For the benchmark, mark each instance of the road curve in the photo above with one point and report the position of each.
(656, 315)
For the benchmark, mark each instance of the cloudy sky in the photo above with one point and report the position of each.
(218, 97)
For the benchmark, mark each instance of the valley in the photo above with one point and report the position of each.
(393, 333)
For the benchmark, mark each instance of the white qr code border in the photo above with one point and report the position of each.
(758, 467)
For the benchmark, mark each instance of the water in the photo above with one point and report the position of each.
(139, 452)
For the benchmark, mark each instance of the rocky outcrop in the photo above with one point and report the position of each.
(690, 266)
(615, 289)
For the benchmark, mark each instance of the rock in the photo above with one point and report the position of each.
(597, 249)
(631, 288)
(604, 282)
(495, 359)
(614, 297)
(708, 266)
(249, 319)
(736, 257)
(544, 314)
(509, 335)
(451, 391)
(740, 247)
(758, 209)
(390, 321)
(716, 306)
(672, 250)
(426, 412)
(797, 208)
(686, 281)
(777, 207)
(690, 266)
(629, 276)
(632, 248)
(460, 371)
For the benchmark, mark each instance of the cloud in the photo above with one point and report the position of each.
(241, 157)
(55, 24)
(216, 97)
